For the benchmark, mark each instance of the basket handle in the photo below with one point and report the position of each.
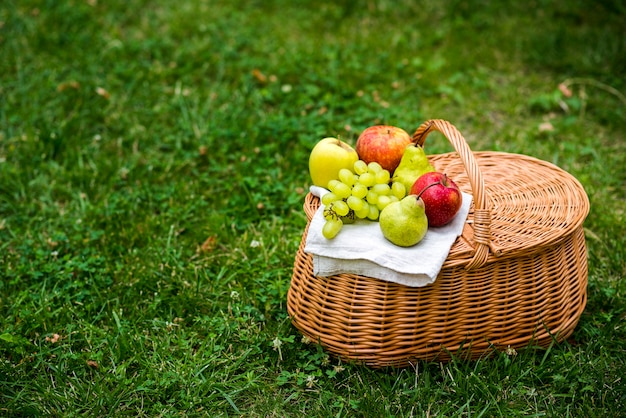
(482, 212)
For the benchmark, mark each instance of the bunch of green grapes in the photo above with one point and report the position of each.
(360, 193)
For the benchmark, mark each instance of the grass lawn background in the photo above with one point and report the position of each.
(153, 166)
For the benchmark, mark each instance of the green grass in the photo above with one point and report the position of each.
(153, 165)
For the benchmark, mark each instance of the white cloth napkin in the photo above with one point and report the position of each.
(360, 248)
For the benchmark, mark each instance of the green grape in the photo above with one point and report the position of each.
(332, 184)
(355, 203)
(383, 201)
(329, 198)
(346, 177)
(372, 198)
(381, 189)
(341, 208)
(374, 167)
(329, 214)
(331, 228)
(363, 212)
(360, 167)
(359, 190)
(341, 190)
(367, 179)
(398, 189)
(373, 213)
(392, 199)
(382, 177)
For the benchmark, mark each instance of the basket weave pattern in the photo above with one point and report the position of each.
(516, 276)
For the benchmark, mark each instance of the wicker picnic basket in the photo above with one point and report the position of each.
(517, 276)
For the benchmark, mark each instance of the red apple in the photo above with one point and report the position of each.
(383, 144)
(441, 197)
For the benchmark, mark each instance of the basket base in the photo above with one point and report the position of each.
(383, 324)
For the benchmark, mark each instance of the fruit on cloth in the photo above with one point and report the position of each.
(404, 223)
(361, 192)
(413, 164)
(441, 197)
(329, 156)
(331, 228)
(383, 144)
(398, 190)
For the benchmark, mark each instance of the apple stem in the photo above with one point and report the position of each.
(428, 187)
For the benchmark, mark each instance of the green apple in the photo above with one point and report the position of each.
(329, 156)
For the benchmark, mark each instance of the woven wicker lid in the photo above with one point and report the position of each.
(521, 204)
(531, 204)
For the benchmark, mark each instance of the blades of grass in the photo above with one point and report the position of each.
(118, 323)
(229, 400)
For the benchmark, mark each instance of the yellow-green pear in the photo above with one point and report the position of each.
(414, 163)
(404, 223)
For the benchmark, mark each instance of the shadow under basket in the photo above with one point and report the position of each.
(516, 276)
